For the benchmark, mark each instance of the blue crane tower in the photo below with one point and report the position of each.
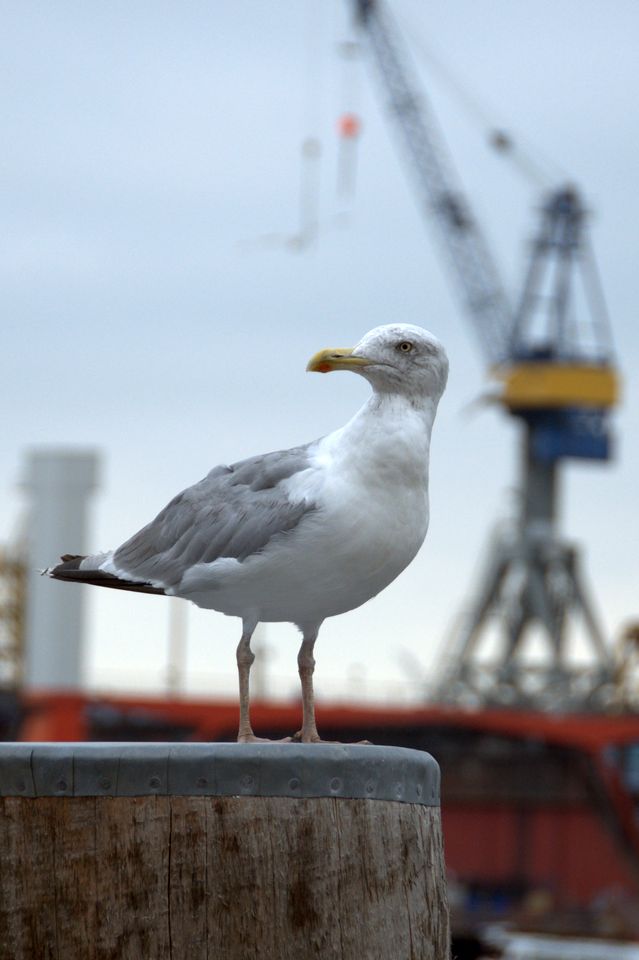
(557, 377)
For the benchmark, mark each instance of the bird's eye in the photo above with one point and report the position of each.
(405, 346)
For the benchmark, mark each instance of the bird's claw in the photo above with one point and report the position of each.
(251, 738)
(312, 737)
(315, 738)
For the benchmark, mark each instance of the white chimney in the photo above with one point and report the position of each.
(59, 483)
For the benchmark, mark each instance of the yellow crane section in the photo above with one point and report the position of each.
(552, 385)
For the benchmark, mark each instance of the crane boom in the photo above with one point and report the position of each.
(440, 191)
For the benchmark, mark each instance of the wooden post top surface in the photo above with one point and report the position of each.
(355, 771)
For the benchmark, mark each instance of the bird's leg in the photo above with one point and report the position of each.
(245, 658)
(306, 666)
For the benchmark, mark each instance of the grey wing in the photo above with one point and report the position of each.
(233, 512)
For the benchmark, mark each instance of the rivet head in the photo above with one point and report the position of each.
(105, 783)
(21, 786)
(399, 789)
(201, 782)
(336, 784)
(246, 781)
(154, 782)
(370, 787)
(61, 784)
(294, 783)
(419, 789)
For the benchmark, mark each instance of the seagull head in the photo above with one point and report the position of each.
(395, 358)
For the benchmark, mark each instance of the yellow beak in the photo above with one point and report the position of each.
(335, 359)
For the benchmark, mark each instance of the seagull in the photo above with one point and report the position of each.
(304, 534)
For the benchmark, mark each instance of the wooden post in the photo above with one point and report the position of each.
(225, 851)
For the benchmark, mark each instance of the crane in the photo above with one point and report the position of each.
(557, 377)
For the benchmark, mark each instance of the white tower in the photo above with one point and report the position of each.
(59, 483)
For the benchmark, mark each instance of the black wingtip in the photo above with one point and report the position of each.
(69, 570)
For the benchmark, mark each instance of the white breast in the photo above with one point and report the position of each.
(370, 480)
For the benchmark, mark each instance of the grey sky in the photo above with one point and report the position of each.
(147, 145)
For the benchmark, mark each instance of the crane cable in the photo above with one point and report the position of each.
(349, 123)
(536, 168)
(311, 147)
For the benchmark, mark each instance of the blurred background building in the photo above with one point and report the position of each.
(59, 484)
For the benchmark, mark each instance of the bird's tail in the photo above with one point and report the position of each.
(71, 570)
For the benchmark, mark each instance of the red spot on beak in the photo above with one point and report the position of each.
(323, 368)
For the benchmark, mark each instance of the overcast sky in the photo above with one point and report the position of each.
(148, 146)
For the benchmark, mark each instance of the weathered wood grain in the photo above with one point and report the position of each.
(27, 894)
(73, 877)
(234, 878)
(133, 846)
